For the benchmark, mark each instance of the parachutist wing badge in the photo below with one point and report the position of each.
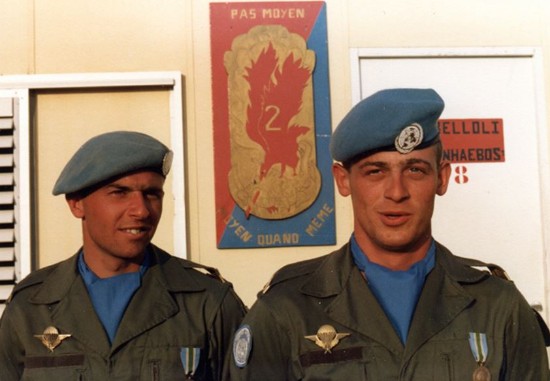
(51, 338)
(327, 337)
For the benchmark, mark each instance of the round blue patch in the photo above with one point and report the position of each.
(242, 344)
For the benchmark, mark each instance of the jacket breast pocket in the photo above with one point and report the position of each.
(62, 367)
(339, 364)
(177, 363)
(453, 359)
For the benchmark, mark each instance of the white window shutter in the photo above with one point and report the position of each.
(8, 250)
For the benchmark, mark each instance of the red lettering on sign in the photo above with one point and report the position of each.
(472, 140)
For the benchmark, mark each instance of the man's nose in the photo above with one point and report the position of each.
(139, 206)
(396, 188)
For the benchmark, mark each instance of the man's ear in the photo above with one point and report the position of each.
(341, 177)
(75, 205)
(444, 177)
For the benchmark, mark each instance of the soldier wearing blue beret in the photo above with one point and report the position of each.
(392, 303)
(120, 308)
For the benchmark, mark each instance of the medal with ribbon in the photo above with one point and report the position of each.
(190, 358)
(480, 350)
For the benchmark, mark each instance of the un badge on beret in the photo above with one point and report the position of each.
(391, 119)
(167, 163)
(242, 344)
(410, 137)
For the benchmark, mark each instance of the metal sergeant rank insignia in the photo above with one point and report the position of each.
(478, 345)
(327, 337)
(409, 138)
(51, 338)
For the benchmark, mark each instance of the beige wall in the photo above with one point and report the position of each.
(64, 36)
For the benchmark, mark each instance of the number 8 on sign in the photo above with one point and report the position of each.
(461, 177)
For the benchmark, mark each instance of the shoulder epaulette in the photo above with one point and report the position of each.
(495, 270)
(292, 271)
(501, 273)
(214, 273)
(34, 278)
(186, 263)
(543, 327)
(207, 270)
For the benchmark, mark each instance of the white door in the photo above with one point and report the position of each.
(493, 211)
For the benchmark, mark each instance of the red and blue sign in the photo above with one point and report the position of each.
(271, 115)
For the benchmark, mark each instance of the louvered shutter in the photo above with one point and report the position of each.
(8, 250)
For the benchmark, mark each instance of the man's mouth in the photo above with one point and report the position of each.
(395, 218)
(135, 231)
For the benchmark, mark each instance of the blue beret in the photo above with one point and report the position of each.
(111, 155)
(393, 119)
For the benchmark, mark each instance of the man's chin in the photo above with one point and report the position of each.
(402, 247)
(135, 255)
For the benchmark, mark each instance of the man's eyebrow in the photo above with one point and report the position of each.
(417, 161)
(383, 164)
(152, 188)
(117, 186)
(380, 164)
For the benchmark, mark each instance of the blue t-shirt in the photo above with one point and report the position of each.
(396, 291)
(110, 296)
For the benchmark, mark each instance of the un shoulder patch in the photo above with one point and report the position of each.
(242, 344)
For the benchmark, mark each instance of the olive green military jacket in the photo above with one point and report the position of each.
(176, 308)
(330, 290)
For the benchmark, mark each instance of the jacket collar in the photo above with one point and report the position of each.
(333, 274)
(65, 288)
(164, 267)
(354, 306)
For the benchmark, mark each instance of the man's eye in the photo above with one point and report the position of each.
(371, 171)
(373, 175)
(154, 195)
(417, 170)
